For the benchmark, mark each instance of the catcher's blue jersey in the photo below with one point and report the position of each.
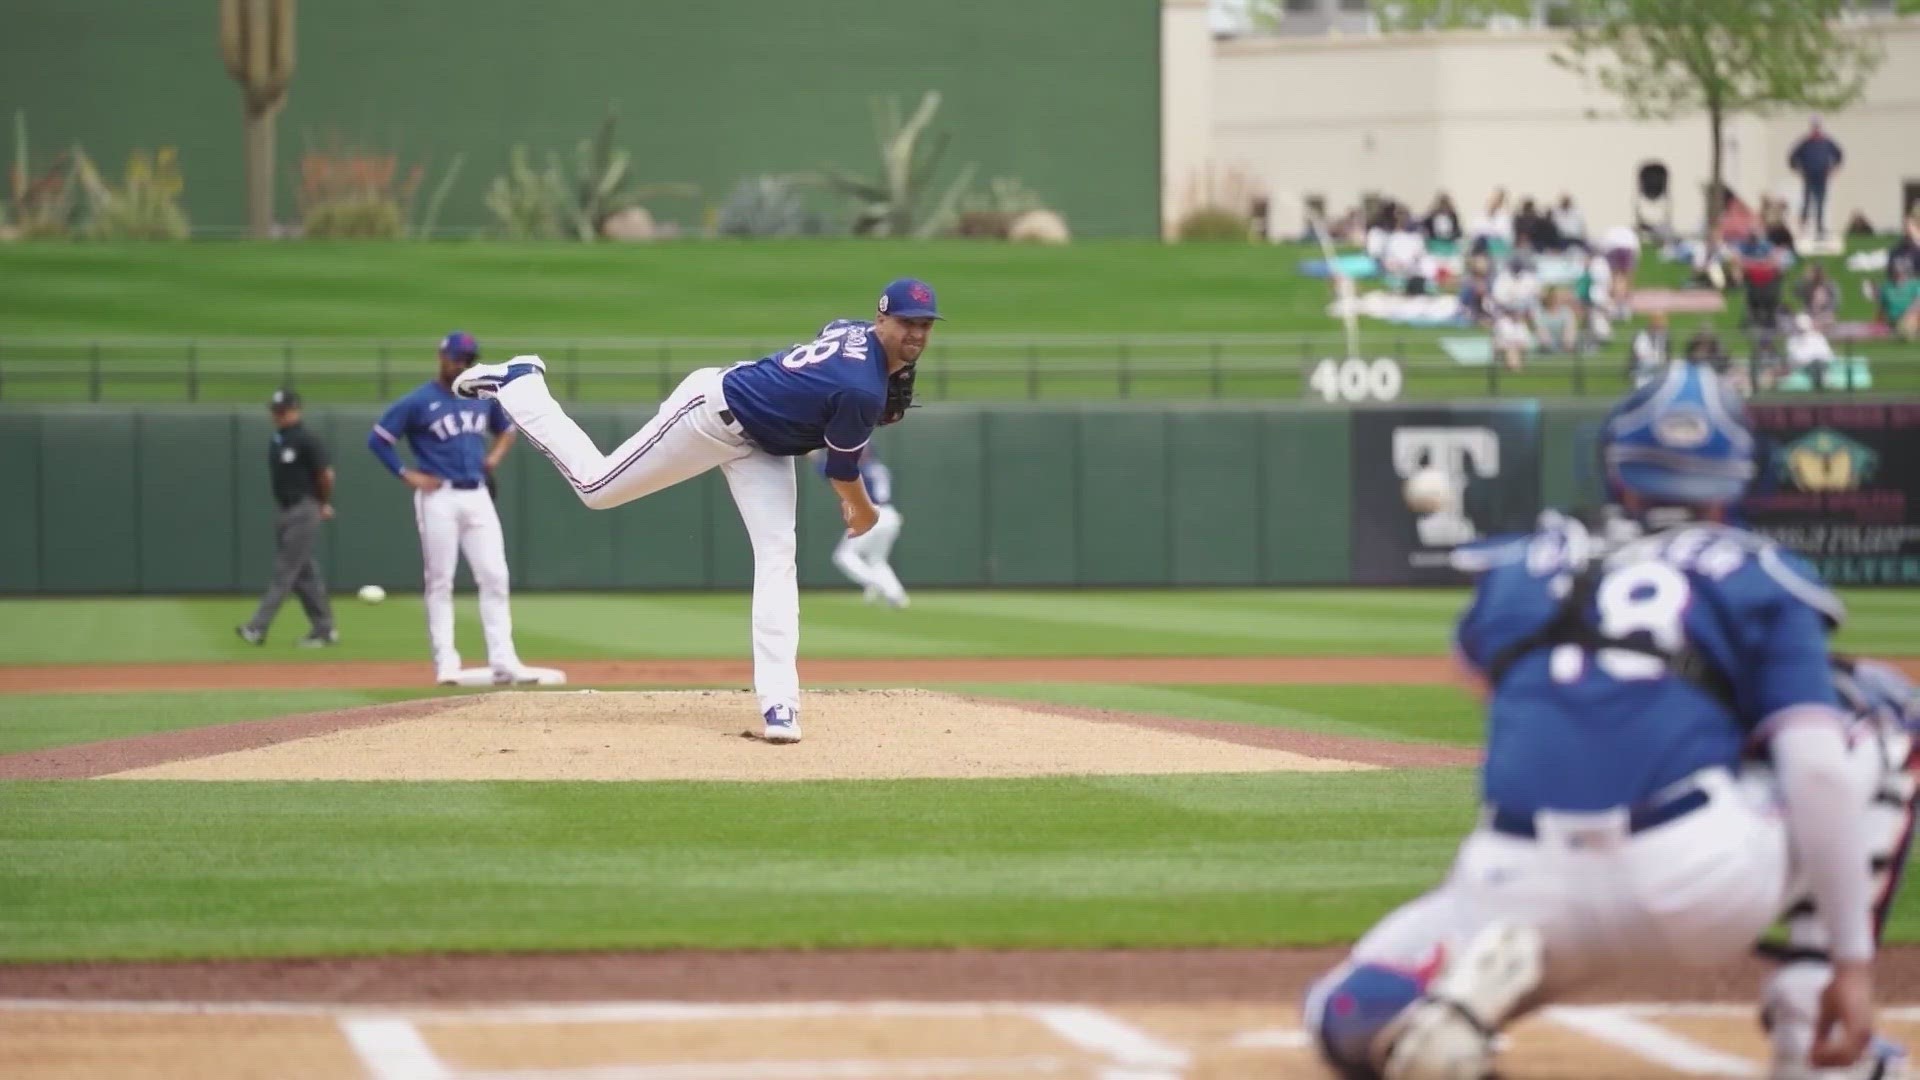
(828, 392)
(1582, 728)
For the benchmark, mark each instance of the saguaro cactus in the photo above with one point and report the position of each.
(256, 40)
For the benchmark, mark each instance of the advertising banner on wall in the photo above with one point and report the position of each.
(1840, 484)
(1491, 458)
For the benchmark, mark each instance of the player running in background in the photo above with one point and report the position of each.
(456, 442)
(750, 421)
(864, 558)
(1626, 682)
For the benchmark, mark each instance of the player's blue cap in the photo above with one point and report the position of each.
(460, 345)
(909, 298)
(1682, 439)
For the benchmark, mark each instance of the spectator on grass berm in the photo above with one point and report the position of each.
(302, 481)
(1897, 301)
(1819, 297)
(1816, 157)
(1476, 295)
(1807, 350)
(1774, 226)
(1704, 348)
(1404, 256)
(1495, 225)
(1621, 247)
(1570, 222)
(1516, 297)
(1650, 351)
(1442, 222)
(1906, 251)
(1557, 323)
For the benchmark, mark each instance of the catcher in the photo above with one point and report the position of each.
(750, 420)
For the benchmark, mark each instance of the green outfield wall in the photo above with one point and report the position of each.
(1063, 95)
(174, 499)
(170, 500)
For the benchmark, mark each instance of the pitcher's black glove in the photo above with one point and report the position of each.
(899, 395)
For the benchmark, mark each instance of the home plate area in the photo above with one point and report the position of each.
(879, 1040)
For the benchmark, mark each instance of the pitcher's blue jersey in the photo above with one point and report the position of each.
(449, 435)
(874, 475)
(829, 392)
(1574, 729)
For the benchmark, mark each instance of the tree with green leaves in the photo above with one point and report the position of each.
(1670, 58)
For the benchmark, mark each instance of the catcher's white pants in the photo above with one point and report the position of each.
(1694, 892)
(864, 558)
(452, 521)
(684, 439)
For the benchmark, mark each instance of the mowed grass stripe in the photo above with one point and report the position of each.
(99, 869)
(965, 623)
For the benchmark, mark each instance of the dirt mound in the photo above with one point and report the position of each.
(706, 735)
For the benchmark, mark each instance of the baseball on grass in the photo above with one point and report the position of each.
(1428, 491)
(372, 594)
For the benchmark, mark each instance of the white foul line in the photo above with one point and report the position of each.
(849, 1069)
(1135, 1054)
(392, 1049)
(1649, 1041)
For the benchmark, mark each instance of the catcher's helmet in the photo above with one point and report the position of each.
(1680, 440)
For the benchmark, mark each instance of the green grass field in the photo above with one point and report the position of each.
(1001, 622)
(115, 869)
(1009, 307)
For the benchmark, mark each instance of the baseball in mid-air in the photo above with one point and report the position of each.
(372, 594)
(1428, 491)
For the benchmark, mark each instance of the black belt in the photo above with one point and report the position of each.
(466, 485)
(1520, 823)
(726, 417)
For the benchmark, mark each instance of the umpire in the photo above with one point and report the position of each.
(303, 488)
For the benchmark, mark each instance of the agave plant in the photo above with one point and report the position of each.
(143, 206)
(549, 203)
(891, 204)
(42, 206)
(529, 204)
(766, 206)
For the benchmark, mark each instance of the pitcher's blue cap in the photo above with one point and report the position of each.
(909, 298)
(460, 345)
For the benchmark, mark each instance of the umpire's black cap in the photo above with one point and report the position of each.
(283, 399)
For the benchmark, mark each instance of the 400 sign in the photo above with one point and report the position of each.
(1353, 381)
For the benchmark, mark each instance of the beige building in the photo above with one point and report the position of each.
(1468, 111)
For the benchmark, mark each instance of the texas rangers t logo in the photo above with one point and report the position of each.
(1451, 450)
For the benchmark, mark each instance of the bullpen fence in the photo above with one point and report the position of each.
(959, 368)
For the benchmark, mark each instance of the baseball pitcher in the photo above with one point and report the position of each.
(750, 421)
(1626, 680)
(864, 559)
(456, 443)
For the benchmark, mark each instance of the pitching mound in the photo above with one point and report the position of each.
(706, 735)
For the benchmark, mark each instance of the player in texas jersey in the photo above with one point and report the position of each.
(456, 443)
(750, 421)
(1626, 680)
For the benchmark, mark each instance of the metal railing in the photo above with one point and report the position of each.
(955, 368)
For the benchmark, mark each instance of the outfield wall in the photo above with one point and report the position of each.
(175, 500)
(167, 500)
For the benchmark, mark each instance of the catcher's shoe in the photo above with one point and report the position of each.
(485, 380)
(1449, 1035)
(783, 724)
(1884, 1060)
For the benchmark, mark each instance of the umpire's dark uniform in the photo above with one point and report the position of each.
(303, 488)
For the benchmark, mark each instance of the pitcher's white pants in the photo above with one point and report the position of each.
(863, 558)
(684, 439)
(1694, 892)
(453, 521)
